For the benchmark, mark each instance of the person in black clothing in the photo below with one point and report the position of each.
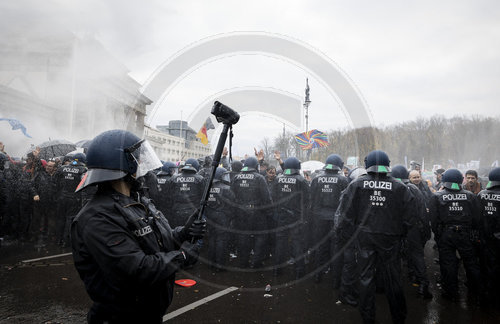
(417, 236)
(163, 176)
(326, 189)
(490, 207)
(69, 202)
(454, 219)
(184, 193)
(345, 252)
(219, 212)
(124, 249)
(236, 167)
(254, 208)
(290, 192)
(377, 215)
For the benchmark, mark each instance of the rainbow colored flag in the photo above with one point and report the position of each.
(311, 139)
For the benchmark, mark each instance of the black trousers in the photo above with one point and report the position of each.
(450, 242)
(324, 243)
(382, 251)
(415, 256)
(290, 235)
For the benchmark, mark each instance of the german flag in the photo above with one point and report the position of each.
(202, 134)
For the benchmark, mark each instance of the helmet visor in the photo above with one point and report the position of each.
(146, 158)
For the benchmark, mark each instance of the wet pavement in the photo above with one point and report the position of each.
(50, 291)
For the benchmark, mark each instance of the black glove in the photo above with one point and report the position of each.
(194, 228)
(190, 253)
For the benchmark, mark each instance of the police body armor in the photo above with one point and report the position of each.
(291, 196)
(326, 189)
(455, 210)
(185, 191)
(251, 193)
(490, 207)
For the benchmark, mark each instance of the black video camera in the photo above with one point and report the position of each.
(224, 114)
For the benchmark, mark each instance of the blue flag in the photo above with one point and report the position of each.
(16, 124)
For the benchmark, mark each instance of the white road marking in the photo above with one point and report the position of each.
(47, 257)
(198, 303)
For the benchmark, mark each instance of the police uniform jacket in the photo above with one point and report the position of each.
(184, 193)
(220, 204)
(291, 196)
(454, 209)
(126, 261)
(490, 207)
(251, 191)
(68, 178)
(326, 188)
(377, 204)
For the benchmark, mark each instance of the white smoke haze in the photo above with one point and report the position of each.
(408, 60)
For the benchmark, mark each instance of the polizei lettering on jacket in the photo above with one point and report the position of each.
(372, 184)
(287, 180)
(184, 179)
(490, 196)
(450, 197)
(143, 231)
(71, 170)
(246, 176)
(328, 179)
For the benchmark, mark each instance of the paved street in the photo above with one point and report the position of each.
(45, 288)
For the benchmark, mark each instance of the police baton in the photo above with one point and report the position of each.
(228, 117)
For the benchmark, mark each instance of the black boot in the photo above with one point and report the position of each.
(423, 290)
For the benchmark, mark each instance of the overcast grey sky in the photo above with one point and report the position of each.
(407, 58)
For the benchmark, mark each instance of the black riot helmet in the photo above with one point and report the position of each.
(399, 172)
(334, 162)
(168, 167)
(377, 162)
(494, 178)
(452, 179)
(292, 163)
(191, 165)
(221, 174)
(250, 163)
(236, 166)
(80, 157)
(114, 154)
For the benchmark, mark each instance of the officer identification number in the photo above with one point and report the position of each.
(490, 209)
(377, 199)
(455, 206)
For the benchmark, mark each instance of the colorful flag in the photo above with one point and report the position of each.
(311, 139)
(16, 124)
(202, 134)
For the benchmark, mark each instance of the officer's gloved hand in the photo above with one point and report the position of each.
(190, 252)
(194, 228)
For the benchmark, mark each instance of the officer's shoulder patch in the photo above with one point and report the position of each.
(116, 240)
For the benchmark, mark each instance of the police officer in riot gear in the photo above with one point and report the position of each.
(345, 267)
(290, 192)
(184, 193)
(251, 222)
(377, 214)
(165, 173)
(490, 207)
(454, 218)
(69, 202)
(418, 235)
(219, 212)
(326, 189)
(125, 252)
